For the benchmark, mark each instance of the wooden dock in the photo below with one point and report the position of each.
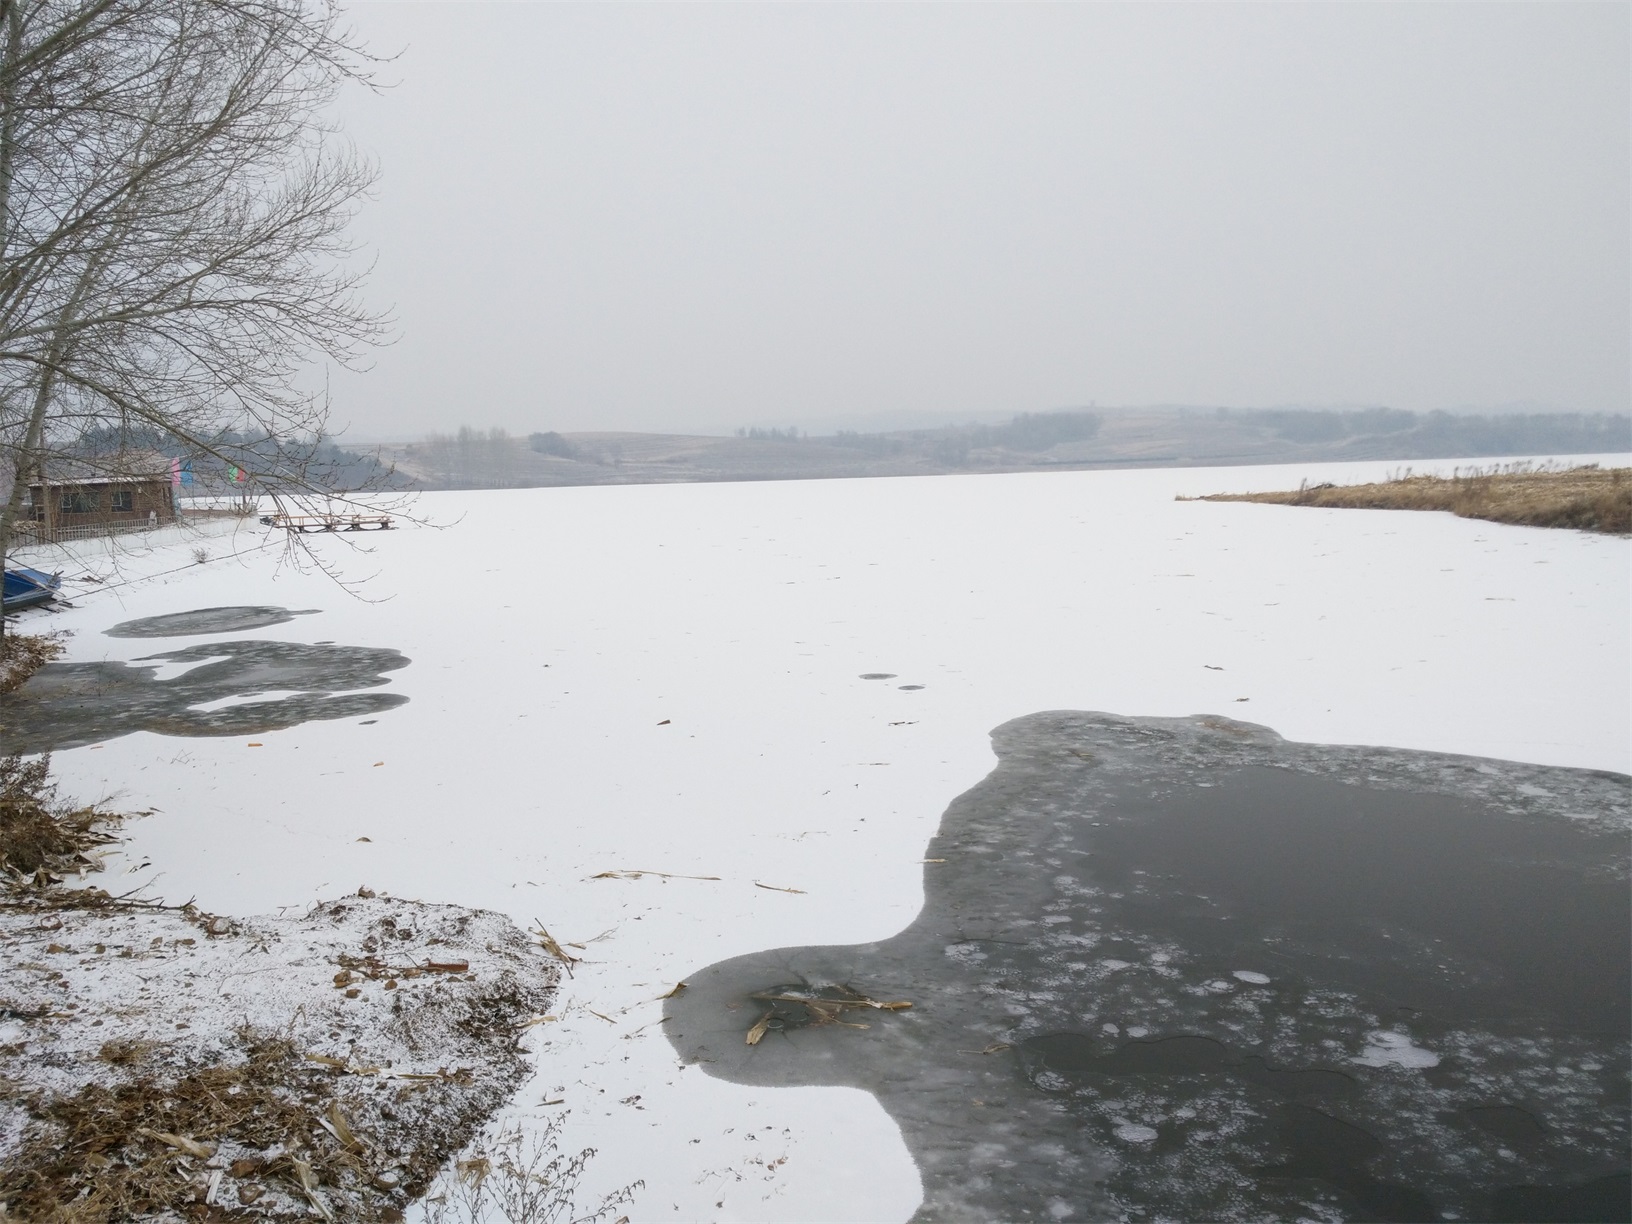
(305, 523)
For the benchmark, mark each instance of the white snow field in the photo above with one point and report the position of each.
(666, 679)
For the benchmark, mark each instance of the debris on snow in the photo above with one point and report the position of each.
(159, 1058)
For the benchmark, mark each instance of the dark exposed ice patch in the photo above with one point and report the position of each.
(877, 675)
(206, 620)
(1506, 1122)
(68, 705)
(1184, 969)
(1602, 1198)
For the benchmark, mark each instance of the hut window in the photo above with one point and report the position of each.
(123, 499)
(79, 503)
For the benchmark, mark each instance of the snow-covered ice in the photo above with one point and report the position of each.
(1132, 1133)
(666, 679)
(1386, 1049)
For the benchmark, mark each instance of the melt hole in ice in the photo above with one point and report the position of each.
(1384, 1049)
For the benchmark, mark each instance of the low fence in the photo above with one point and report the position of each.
(34, 532)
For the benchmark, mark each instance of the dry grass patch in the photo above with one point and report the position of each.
(1583, 498)
(41, 836)
(163, 1064)
(23, 654)
(504, 1177)
(143, 1147)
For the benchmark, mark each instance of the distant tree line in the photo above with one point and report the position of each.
(552, 443)
(496, 458)
(492, 458)
(868, 443)
(264, 458)
(471, 458)
(1448, 434)
(1304, 425)
(1029, 432)
(1036, 431)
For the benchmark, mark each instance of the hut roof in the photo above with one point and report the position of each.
(105, 469)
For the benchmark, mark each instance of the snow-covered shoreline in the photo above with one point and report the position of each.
(118, 1014)
(667, 679)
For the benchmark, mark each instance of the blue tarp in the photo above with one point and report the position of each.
(26, 587)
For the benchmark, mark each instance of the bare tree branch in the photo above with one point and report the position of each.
(173, 214)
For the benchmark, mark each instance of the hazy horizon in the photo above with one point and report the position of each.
(691, 219)
(891, 422)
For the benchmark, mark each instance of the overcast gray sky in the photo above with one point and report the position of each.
(686, 217)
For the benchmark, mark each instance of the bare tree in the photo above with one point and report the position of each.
(440, 458)
(473, 458)
(173, 206)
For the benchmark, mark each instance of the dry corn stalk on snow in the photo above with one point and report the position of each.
(181, 1143)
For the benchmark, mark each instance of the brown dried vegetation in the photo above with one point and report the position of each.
(247, 1126)
(796, 1007)
(505, 1177)
(1586, 498)
(261, 1130)
(40, 836)
(141, 1147)
(118, 1153)
(23, 654)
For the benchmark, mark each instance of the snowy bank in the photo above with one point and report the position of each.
(667, 679)
(332, 1061)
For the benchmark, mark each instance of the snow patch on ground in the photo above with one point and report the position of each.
(411, 1018)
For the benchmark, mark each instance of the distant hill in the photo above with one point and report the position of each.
(1166, 437)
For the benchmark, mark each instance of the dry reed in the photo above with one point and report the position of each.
(41, 836)
(23, 654)
(1586, 498)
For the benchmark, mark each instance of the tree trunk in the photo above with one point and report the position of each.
(29, 454)
(20, 470)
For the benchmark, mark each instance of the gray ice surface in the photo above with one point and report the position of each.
(68, 705)
(206, 620)
(1184, 969)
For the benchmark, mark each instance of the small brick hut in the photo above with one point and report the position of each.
(122, 493)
